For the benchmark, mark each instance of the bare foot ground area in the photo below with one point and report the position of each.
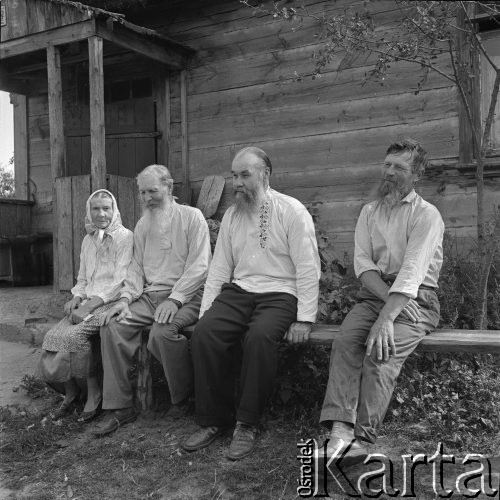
(43, 459)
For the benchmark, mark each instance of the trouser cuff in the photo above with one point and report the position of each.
(368, 434)
(117, 404)
(208, 421)
(329, 415)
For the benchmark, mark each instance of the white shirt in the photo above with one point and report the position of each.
(175, 259)
(274, 250)
(405, 240)
(103, 264)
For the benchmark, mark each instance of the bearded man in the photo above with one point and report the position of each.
(397, 256)
(262, 284)
(163, 288)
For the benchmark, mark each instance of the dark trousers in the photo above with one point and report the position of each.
(253, 322)
(359, 389)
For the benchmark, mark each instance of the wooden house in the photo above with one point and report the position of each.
(187, 83)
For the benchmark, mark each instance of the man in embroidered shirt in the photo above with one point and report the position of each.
(397, 256)
(262, 282)
(162, 289)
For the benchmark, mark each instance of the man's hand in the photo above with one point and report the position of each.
(298, 332)
(71, 305)
(120, 309)
(411, 311)
(381, 338)
(165, 312)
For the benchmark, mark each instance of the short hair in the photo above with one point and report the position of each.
(161, 172)
(260, 154)
(418, 153)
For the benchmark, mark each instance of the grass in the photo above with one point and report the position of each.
(46, 460)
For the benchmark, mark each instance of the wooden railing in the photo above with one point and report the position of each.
(15, 217)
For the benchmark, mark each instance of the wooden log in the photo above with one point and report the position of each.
(97, 124)
(144, 392)
(63, 221)
(63, 273)
(39, 41)
(210, 194)
(80, 191)
(21, 175)
(444, 340)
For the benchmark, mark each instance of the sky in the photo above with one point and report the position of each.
(6, 129)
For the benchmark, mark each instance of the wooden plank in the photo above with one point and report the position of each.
(161, 94)
(21, 174)
(17, 19)
(40, 41)
(331, 87)
(112, 155)
(56, 122)
(210, 194)
(185, 138)
(63, 235)
(80, 191)
(126, 200)
(126, 157)
(320, 118)
(86, 155)
(73, 156)
(336, 150)
(443, 340)
(145, 153)
(97, 125)
(112, 184)
(8, 220)
(124, 37)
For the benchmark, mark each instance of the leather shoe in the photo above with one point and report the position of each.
(65, 409)
(243, 441)
(202, 438)
(87, 416)
(113, 420)
(348, 453)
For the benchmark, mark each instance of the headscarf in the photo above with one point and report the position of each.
(116, 220)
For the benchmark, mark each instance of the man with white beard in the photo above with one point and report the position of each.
(262, 284)
(397, 256)
(163, 289)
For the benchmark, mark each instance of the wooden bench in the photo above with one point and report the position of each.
(443, 340)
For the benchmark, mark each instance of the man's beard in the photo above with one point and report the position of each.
(391, 193)
(156, 220)
(245, 201)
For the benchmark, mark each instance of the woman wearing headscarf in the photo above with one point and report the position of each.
(71, 355)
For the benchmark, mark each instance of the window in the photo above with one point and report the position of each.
(7, 188)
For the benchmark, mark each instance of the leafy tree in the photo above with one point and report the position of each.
(7, 187)
(426, 32)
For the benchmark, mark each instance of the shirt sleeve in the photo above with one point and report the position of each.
(134, 280)
(125, 245)
(81, 282)
(222, 267)
(304, 254)
(363, 249)
(425, 238)
(197, 261)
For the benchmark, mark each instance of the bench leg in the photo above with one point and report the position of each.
(144, 381)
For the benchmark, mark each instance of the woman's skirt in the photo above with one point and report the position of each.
(72, 351)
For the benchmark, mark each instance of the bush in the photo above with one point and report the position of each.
(458, 287)
(457, 396)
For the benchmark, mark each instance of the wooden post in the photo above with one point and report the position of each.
(97, 126)
(184, 138)
(57, 147)
(21, 176)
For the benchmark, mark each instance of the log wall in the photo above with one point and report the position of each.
(326, 136)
